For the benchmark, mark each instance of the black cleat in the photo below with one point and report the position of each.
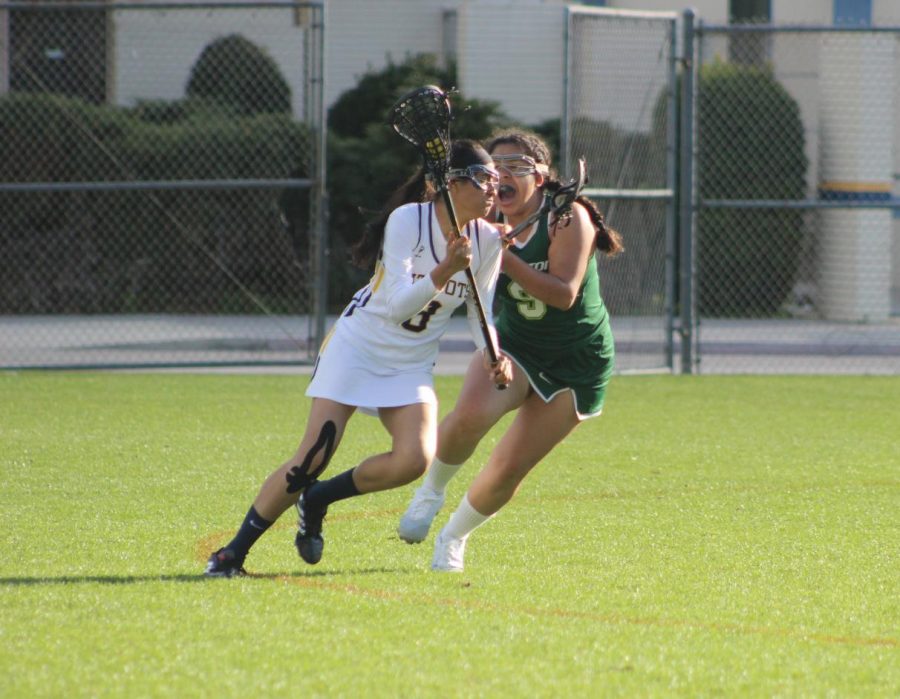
(224, 564)
(309, 540)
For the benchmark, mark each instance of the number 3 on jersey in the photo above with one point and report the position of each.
(421, 318)
(529, 307)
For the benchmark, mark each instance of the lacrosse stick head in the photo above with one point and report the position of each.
(565, 196)
(422, 117)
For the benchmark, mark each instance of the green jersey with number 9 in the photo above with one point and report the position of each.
(557, 349)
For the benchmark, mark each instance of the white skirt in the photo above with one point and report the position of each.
(347, 375)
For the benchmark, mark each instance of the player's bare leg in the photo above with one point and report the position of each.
(413, 430)
(478, 408)
(324, 430)
(537, 428)
(282, 488)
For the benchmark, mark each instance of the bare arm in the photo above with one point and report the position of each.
(571, 246)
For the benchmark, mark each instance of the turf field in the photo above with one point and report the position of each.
(708, 536)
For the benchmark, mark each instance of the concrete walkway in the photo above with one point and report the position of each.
(283, 344)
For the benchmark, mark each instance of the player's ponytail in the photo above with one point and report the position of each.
(415, 189)
(608, 240)
(418, 188)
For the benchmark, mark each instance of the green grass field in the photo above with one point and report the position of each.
(708, 536)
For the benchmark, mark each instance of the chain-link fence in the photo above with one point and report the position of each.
(162, 177)
(619, 115)
(796, 239)
(162, 165)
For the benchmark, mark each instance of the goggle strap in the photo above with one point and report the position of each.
(473, 171)
(531, 165)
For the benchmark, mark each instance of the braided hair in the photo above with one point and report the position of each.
(608, 240)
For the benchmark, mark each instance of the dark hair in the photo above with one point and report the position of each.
(608, 240)
(417, 188)
(530, 143)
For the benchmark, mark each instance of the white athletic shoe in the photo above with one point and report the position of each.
(416, 521)
(448, 553)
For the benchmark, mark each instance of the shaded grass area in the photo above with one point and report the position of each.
(706, 536)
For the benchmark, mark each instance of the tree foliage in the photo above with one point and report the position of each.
(367, 160)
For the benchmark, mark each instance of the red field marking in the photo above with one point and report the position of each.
(210, 542)
(609, 619)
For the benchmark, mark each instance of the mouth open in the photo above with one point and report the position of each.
(506, 192)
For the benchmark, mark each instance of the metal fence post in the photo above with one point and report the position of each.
(320, 293)
(686, 196)
(672, 201)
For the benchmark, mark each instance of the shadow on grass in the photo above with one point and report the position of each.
(186, 577)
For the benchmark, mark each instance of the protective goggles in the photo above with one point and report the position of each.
(480, 175)
(519, 164)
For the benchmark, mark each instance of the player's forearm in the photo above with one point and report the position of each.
(441, 274)
(405, 300)
(544, 286)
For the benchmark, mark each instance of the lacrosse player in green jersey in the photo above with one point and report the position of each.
(555, 327)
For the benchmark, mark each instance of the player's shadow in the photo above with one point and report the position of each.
(25, 581)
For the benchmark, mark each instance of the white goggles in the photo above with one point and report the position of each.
(480, 175)
(519, 164)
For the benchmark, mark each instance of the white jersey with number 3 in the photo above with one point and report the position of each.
(393, 325)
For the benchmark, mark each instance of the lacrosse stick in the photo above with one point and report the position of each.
(560, 204)
(422, 117)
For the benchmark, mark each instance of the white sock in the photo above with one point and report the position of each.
(439, 475)
(465, 520)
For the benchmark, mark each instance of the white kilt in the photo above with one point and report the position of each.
(349, 375)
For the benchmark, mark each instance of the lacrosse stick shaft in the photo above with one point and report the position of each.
(561, 202)
(422, 117)
(470, 278)
(522, 227)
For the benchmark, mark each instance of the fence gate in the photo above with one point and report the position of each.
(161, 183)
(619, 114)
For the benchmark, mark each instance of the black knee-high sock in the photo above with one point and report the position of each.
(322, 493)
(253, 527)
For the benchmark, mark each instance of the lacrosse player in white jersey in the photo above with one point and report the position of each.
(380, 355)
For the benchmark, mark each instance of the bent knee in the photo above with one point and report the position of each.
(411, 464)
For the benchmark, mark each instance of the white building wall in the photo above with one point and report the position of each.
(887, 12)
(513, 52)
(712, 11)
(362, 36)
(805, 12)
(144, 67)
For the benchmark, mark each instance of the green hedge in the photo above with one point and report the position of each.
(110, 252)
(233, 71)
(751, 146)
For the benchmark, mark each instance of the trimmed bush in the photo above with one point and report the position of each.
(160, 251)
(751, 146)
(234, 71)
